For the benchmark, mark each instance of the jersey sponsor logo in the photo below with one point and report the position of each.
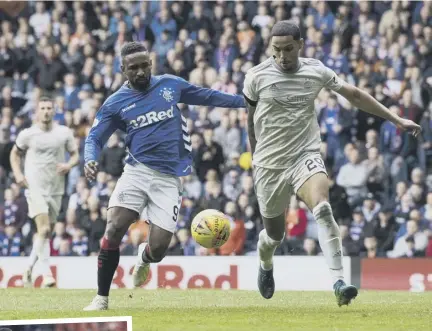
(152, 117)
(167, 94)
(294, 100)
(132, 106)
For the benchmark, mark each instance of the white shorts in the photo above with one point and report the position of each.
(140, 187)
(40, 204)
(274, 187)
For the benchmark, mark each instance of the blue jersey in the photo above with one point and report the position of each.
(157, 135)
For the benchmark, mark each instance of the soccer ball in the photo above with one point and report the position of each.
(211, 228)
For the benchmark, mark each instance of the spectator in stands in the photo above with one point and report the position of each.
(338, 200)
(383, 229)
(358, 224)
(335, 126)
(426, 210)
(403, 209)
(370, 208)
(416, 217)
(296, 223)
(187, 244)
(350, 247)
(376, 170)
(11, 241)
(112, 157)
(353, 178)
(372, 249)
(232, 185)
(336, 60)
(309, 248)
(59, 235)
(228, 137)
(48, 70)
(14, 211)
(209, 156)
(198, 21)
(413, 242)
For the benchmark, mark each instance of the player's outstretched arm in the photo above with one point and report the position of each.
(200, 96)
(15, 158)
(251, 100)
(250, 106)
(103, 127)
(367, 103)
(15, 161)
(64, 168)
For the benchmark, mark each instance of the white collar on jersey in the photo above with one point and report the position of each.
(278, 67)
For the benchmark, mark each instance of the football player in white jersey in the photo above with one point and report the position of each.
(285, 142)
(44, 145)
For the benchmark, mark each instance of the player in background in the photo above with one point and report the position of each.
(159, 153)
(45, 145)
(285, 142)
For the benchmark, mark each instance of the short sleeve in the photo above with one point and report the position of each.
(70, 141)
(331, 80)
(249, 87)
(23, 139)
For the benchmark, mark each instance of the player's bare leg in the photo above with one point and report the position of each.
(314, 193)
(152, 251)
(119, 221)
(40, 251)
(269, 239)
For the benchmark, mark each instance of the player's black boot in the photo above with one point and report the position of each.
(266, 282)
(344, 293)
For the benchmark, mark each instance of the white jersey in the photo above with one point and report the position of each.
(285, 120)
(44, 150)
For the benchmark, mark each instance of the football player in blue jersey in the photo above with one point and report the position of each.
(159, 153)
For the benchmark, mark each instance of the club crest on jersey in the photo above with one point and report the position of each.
(167, 94)
(308, 84)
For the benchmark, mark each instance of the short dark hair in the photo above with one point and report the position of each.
(132, 47)
(46, 98)
(286, 28)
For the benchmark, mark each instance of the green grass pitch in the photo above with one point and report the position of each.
(215, 310)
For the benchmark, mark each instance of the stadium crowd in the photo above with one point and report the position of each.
(381, 190)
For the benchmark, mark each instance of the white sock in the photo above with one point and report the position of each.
(266, 249)
(37, 247)
(140, 260)
(44, 258)
(329, 239)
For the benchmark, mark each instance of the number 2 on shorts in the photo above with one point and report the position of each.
(311, 164)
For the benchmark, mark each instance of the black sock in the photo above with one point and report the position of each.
(108, 261)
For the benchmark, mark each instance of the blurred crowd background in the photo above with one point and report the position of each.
(381, 190)
(94, 326)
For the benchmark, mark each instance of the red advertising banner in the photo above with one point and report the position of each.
(413, 275)
(296, 273)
